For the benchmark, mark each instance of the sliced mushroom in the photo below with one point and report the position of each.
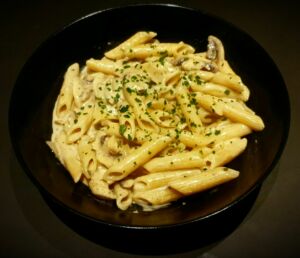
(215, 50)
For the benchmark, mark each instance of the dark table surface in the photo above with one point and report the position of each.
(30, 228)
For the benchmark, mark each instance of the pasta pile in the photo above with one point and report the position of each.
(152, 122)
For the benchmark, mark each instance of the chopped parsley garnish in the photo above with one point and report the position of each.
(133, 78)
(117, 97)
(198, 80)
(129, 137)
(129, 90)
(193, 101)
(217, 132)
(124, 109)
(185, 83)
(163, 55)
(122, 129)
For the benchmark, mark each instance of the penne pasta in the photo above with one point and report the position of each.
(138, 38)
(230, 109)
(214, 135)
(160, 179)
(188, 107)
(185, 160)
(65, 98)
(101, 188)
(224, 152)
(80, 125)
(152, 122)
(87, 157)
(123, 197)
(136, 159)
(156, 196)
(202, 181)
(105, 66)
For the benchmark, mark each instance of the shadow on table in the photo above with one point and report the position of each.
(159, 241)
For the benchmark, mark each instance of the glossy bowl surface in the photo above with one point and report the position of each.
(39, 82)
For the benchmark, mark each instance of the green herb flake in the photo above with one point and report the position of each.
(117, 97)
(227, 92)
(198, 80)
(163, 55)
(129, 90)
(185, 83)
(133, 78)
(122, 129)
(217, 132)
(124, 109)
(193, 101)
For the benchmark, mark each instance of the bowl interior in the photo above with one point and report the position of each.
(39, 82)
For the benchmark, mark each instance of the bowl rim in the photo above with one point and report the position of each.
(51, 36)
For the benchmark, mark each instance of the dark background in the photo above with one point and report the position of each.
(29, 228)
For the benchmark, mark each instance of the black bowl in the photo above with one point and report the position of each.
(39, 82)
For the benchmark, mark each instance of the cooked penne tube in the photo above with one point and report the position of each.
(138, 38)
(143, 118)
(217, 90)
(123, 197)
(189, 110)
(80, 125)
(104, 65)
(68, 156)
(214, 135)
(100, 188)
(127, 119)
(159, 179)
(65, 97)
(136, 159)
(185, 160)
(87, 157)
(224, 152)
(203, 181)
(160, 49)
(232, 81)
(231, 109)
(244, 116)
(156, 196)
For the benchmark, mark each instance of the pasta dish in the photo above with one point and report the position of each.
(152, 122)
